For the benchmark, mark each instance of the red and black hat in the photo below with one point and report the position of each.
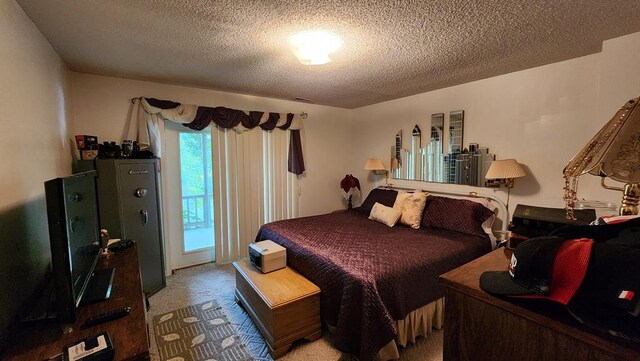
(598, 282)
(609, 297)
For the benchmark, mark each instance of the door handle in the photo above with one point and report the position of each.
(145, 216)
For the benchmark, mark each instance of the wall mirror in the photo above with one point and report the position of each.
(435, 162)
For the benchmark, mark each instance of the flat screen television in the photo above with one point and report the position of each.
(74, 231)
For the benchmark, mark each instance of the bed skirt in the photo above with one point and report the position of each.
(419, 322)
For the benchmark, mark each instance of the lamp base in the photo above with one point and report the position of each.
(630, 199)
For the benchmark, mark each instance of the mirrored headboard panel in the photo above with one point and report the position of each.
(434, 162)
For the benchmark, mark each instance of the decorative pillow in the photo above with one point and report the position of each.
(458, 215)
(485, 202)
(385, 197)
(384, 214)
(411, 205)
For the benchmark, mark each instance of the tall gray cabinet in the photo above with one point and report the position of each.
(130, 208)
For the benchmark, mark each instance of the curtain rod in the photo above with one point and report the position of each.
(302, 115)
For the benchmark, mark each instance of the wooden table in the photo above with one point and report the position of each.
(41, 341)
(284, 305)
(479, 326)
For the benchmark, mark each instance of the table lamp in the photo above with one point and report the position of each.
(614, 152)
(350, 186)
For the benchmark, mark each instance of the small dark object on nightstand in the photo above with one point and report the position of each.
(93, 348)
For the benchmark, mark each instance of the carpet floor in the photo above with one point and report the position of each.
(209, 281)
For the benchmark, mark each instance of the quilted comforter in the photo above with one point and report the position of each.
(369, 274)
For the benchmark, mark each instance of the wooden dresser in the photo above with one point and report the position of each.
(128, 334)
(284, 305)
(479, 326)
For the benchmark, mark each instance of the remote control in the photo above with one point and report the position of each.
(106, 317)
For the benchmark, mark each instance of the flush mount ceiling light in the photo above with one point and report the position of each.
(314, 47)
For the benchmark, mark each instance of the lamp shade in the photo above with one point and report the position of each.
(505, 169)
(394, 163)
(613, 152)
(374, 164)
(350, 186)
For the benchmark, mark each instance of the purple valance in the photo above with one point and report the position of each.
(200, 117)
(225, 117)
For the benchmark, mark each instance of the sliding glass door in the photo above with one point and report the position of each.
(189, 191)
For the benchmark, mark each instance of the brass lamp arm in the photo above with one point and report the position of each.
(630, 197)
(609, 187)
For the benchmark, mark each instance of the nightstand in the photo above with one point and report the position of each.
(479, 326)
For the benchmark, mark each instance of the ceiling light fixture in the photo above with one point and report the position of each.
(314, 47)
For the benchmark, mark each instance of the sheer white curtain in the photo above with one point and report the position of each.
(251, 186)
(281, 188)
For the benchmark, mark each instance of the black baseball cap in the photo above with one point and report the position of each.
(598, 282)
(543, 267)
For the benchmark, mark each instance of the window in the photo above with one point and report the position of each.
(197, 191)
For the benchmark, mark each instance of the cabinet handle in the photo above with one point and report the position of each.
(145, 216)
(72, 224)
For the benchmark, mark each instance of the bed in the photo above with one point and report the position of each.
(379, 284)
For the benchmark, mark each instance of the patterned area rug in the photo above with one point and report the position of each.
(210, 281)
(198, 332)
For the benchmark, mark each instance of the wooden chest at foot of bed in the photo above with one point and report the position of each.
(283, 304)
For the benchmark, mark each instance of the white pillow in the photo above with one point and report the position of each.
(411, 205)
(384, 214)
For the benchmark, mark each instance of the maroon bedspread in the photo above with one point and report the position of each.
(370, 275)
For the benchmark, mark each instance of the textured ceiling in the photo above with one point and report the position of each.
(391, 48)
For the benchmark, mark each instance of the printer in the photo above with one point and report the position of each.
(267, 256)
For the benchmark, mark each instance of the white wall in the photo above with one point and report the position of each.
(620, 73)
(542, 117)
(100, 106)
(34, 147)
(34, 143)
